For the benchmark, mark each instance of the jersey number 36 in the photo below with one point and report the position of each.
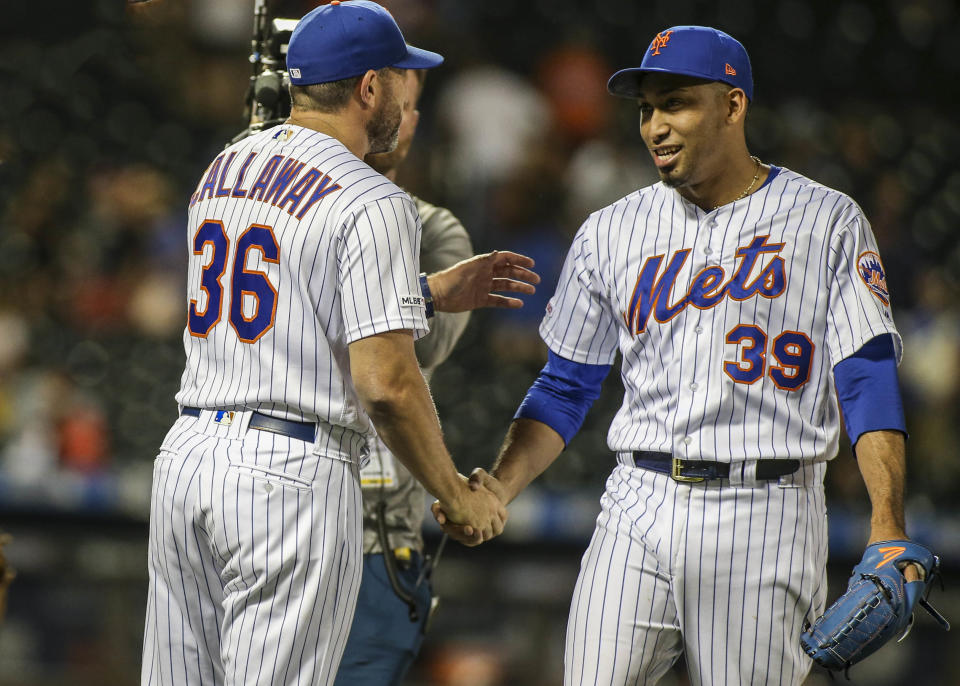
(245, 282)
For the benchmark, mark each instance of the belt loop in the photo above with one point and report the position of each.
(749, 474)
(737, 473)
(809, 474)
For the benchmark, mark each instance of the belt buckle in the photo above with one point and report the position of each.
(678, 476)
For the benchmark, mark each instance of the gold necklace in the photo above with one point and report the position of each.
(753, 181)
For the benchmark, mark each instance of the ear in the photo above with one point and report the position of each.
(368, 89)
(736, 105)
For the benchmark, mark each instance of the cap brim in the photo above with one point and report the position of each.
(626, 82)
(418, 58)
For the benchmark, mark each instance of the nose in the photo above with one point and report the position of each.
(656, 128)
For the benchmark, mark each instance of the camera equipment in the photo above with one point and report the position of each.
(267, 101)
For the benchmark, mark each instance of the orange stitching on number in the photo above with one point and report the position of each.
(242, 261)
(783, 367)
(192, 308)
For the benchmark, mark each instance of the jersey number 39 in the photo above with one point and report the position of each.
(244, 281)
(792, 351)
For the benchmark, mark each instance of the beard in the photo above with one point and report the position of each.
(383, 129)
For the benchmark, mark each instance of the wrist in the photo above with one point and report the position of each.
(452, 488)
(455, 502)
(427, 292)
(886, 531)
(509, 488)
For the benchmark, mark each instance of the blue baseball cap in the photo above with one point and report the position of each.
(346, 38)
(699, 51)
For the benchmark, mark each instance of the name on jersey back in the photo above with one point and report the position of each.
(282, 182)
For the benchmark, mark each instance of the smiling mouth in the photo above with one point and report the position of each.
(665, 155)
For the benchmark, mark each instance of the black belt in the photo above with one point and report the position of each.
(302, 431)
(694, 471)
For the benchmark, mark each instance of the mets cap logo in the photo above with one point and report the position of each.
(660, 41)
(870, 269)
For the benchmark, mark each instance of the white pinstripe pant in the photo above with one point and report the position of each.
(254, 559)
(725, 574)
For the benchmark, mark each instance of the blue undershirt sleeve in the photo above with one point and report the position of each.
(868, 390)
(562, 394)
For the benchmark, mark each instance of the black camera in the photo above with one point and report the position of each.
(268, 96)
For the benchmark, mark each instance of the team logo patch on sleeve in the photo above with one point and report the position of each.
(871, 271)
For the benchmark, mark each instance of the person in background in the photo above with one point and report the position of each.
(395, 593)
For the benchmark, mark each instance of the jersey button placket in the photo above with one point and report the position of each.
(707, 236)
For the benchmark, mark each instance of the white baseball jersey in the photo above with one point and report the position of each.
(729, 323)
(297, 249)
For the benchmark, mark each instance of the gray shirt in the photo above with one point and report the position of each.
(443, 243)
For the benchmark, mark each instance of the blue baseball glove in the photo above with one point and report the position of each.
(877, 605)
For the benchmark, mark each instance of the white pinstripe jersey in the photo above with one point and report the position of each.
(729, 321)
(297, 248)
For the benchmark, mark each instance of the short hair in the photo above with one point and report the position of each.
(329, 97)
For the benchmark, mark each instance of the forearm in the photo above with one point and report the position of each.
(528, 449)
(393, 392)
(880, 456)
(409, 427)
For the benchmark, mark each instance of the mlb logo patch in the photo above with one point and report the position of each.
(871, 272)
(224, 417)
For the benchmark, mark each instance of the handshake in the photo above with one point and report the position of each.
(477, 513)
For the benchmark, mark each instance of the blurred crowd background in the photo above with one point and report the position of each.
(110, 112)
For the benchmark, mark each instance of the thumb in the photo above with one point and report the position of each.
(477, 479)
(438, 513)
(488, 481)
(479, 475)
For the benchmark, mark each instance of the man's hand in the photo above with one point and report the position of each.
(480, 478)
(479, 515)
(473, 283)
(7, 574)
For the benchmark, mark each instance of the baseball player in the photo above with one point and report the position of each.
(745, 300)
(395, 595)
(304, 301)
